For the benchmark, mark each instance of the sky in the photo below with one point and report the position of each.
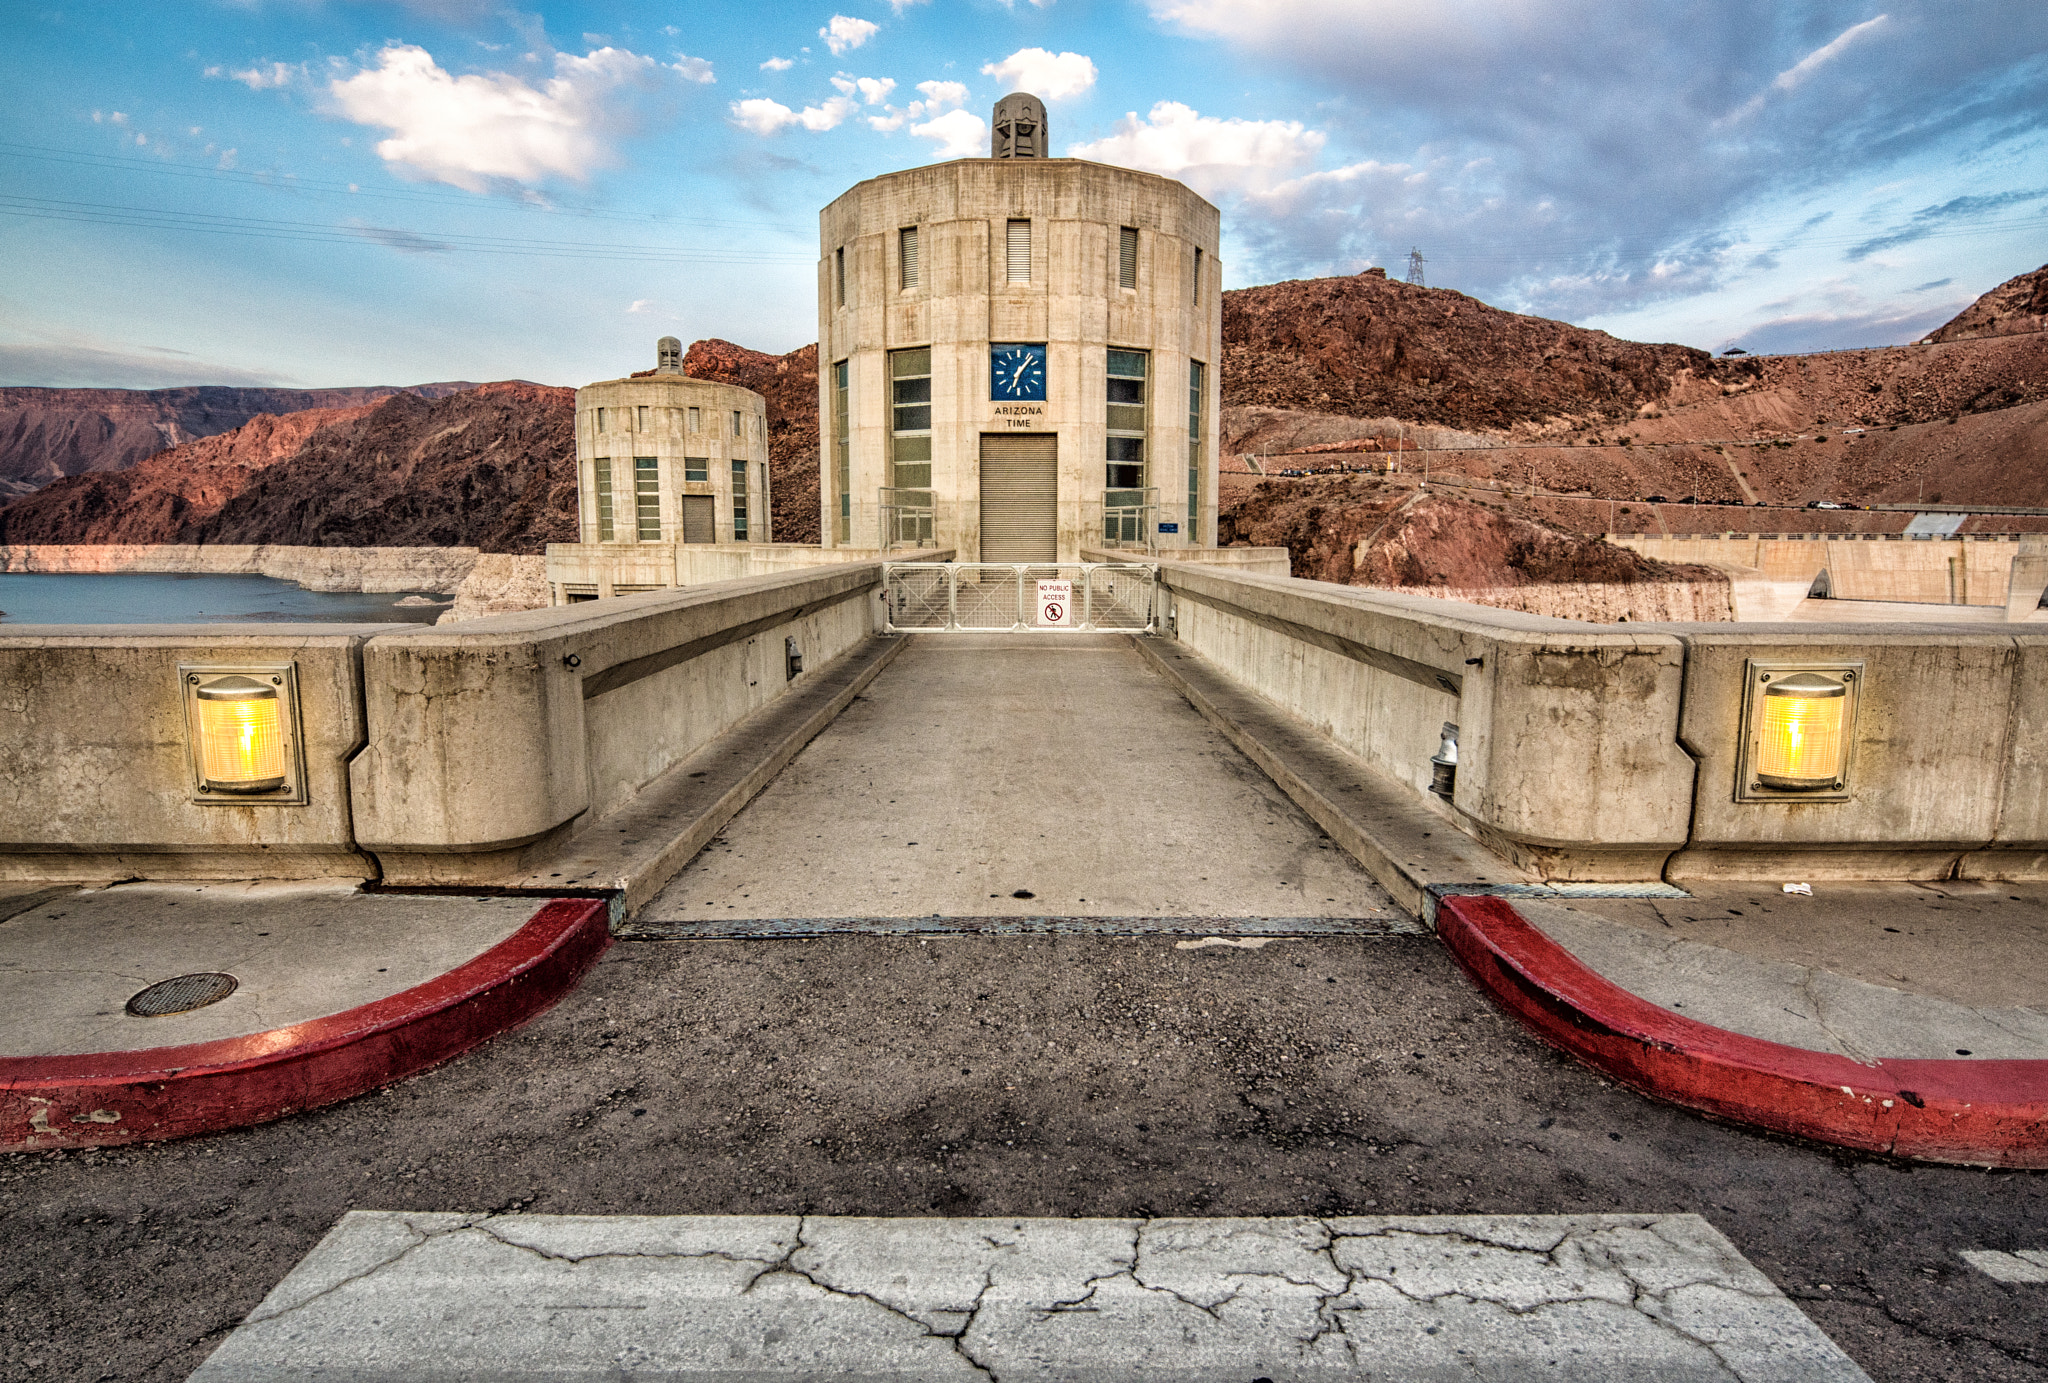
(348, 192)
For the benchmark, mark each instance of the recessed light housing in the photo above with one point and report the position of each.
(1798, 731)
(242, 729)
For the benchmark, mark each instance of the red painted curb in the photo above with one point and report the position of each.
(1983, 1113)
(103, 1098)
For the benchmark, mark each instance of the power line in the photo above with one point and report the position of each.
(289, 182)
(400, 238)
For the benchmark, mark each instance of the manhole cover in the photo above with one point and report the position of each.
(182, 994)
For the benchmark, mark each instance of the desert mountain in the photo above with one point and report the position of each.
(1368, 346)
(47, 433)
(1535, 422)
(491, 467)
(2015, 307)
(790, 385)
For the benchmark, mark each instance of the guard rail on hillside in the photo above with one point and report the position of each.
(1018, 597)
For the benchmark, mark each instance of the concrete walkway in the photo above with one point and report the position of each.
(1590, 1298)
(285, 997)
(1867, 971)
(1020, 776)
(297, 951)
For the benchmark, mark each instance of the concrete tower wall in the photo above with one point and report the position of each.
(1074, 303)
(650, 417)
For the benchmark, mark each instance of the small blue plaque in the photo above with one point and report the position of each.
(1169, 528)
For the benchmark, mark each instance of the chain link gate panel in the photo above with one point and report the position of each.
(1003, 597)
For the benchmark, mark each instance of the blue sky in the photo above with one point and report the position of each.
(328, 192)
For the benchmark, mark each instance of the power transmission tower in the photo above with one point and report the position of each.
(1415, 268)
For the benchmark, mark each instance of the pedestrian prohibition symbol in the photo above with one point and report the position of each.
(1055, 602)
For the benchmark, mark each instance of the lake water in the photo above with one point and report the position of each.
(168, 598)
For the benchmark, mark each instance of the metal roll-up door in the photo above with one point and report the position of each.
(1020, 498)
(700, 519)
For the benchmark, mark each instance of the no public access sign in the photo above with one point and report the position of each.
(1056, 602)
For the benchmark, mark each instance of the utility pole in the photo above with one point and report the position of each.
(1415, 263)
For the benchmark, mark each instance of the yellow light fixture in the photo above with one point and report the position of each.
(1798, 725)
(242, 724)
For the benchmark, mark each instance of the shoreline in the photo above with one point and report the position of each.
(482, 583)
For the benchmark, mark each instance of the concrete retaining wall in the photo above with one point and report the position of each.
(439, 755)
(1883, 567)
(1594, 753)
(93, 754)
(1569, 761)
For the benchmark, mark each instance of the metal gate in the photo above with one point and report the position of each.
(1019, 597)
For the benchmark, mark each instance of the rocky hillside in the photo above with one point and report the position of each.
(2015, 307)
(492, 467)
(790, 385)
(48, 433)
(164, 494)
(1368, 346)
(1366, 531)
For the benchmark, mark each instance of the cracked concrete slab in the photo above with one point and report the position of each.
(1781, 1001)
(394, 1295)
(299, 951)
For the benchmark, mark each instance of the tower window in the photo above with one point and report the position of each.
(647, 498)
(641, 426)
(1198, 276)
(906, 244)
(739, 431)
(1196, 372)
(1018, 244)
(739, 501)
(910, 423)
(839, 274)
(1126, 419)
(1127, 257)
(604, 499)
(696, 468)
(602, 420)
(842, 454)
(695, 420)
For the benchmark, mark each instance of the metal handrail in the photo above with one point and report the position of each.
(1002, 597)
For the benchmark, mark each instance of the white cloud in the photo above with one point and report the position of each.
(777, 65)
(761, 115)
(937, 97)
(844, 34)
(471, 130)
(828, 115)
(899, 6)
(1795, 76)
(641, 305)
(873, 91)
(1210, 154)
(112, 118)
(1046, 75)
(260, 78)
(696, 70)
(958, 134)
(1791, 78)
(765, 117)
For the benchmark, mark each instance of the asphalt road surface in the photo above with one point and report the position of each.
(1044, 1076)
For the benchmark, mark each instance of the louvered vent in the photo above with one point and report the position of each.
(1020, 252)
(908, 241)
(1127, 258)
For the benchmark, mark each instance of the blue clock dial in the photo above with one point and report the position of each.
(1016, 372)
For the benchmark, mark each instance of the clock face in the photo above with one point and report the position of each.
(1016, 372)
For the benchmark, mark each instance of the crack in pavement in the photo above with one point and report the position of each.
(956, 1339)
